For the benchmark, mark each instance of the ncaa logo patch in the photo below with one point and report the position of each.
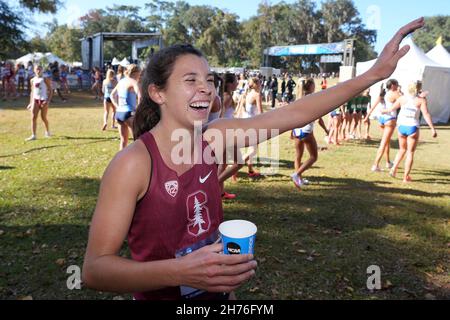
(172, 188)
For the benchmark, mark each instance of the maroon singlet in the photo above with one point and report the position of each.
(177, 214)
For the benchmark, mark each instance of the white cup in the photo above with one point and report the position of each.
(238, 237)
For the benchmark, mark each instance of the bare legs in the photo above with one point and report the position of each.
(385, 145)
(408, 146)
(34, 116)
(106, 106)
(124, 132)
(311, 145)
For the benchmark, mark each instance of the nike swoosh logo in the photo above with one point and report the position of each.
(203, 180)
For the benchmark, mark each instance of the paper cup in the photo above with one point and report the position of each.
(238, 237)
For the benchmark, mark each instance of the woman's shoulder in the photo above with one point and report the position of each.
(132, 161)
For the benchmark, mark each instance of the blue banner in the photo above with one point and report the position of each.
(307, 49)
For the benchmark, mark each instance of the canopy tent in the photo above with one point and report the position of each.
(115, 62)
(124, 62)
(440, 55)
(416, 66)
(40, 58)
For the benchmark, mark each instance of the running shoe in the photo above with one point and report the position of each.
(254, 174)
(48, 134)
(297, 180)
(31, 138)
(392, 173)
(389, 165)
(228, 196)
(376, 169)
(305, 182)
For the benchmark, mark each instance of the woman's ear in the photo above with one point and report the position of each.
(155, 94)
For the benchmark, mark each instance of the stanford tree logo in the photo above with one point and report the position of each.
(198, 213)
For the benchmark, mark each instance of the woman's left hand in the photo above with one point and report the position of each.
(435, 133)
(391, 54)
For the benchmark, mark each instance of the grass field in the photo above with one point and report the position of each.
(314, 244)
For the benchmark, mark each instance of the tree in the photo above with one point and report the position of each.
(43, 6)
(221, 40)
(12, 25)
(434, 28)
(11, 33)
(65, 42)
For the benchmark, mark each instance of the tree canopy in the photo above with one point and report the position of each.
(434, 28)
(221, 35)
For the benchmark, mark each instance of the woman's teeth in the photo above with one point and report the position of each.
(200, 105)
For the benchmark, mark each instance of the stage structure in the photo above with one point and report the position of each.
(338, 52)
(92, 46)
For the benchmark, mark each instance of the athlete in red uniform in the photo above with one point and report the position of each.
(170, 210)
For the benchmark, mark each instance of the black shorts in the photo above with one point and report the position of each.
(122, 117)
(108, 100)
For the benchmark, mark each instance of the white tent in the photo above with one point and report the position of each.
(440, 55)
(51, 58)
(124, 62)
(115, 62)
(417, 66)
(39, 57)
(33, 57)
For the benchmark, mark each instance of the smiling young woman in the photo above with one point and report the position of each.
(170, 212)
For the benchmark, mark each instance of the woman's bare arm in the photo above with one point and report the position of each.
(427, 115)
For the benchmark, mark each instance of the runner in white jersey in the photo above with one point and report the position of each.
(304, 137)
(40, 97)
(388, 121)
(409, 127)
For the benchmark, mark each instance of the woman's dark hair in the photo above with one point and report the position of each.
(390, 83)
(157, 72)
(382, 92)
(307, 85)
(227, 78)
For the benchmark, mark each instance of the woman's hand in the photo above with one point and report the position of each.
(207, 269)
(434, 133)
(391, 54)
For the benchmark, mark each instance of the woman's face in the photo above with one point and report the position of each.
(136, 75)
(38, 71)
(233, 85)
(189, 92)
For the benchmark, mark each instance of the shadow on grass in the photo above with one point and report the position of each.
(6, 167)
(33, 150)
(324, 236)
(94, 141)
(372, 186)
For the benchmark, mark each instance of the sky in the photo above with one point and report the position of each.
(385, 16)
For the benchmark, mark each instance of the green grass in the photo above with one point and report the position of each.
(314, 244)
